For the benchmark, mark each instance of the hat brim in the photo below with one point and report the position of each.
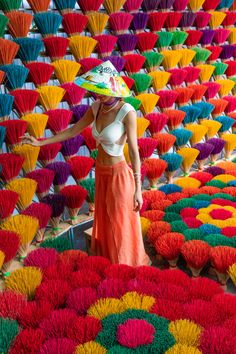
(89, 86)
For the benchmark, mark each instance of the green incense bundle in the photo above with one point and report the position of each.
(141, 82)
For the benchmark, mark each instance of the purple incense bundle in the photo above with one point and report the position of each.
(150, 5)
(218, 145)
(117, 61)
(227, 51)
(71, 146)
(127, 43)
(79, 111)
(202, 19)
(62, 172)
(207, 36)
(57, 202)
(139, 22)
(166, 4)
(221, 35)
(214, 170)
(205, 150)
(187, 19)
(180, 5)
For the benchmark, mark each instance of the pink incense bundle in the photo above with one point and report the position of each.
(192, 74)
(154, 170)
(146, 41)
(209, 5)
(221, 35)
(74, 23)
(80, 167)
(120, 22)
(11, 166)
(157, 20)
(196, 253)
(15, 129)
(231, 107)
(231, 69)
(48, 153)
(180, 5)
(146, 147)
(157, 122)
(75, 197)
(175, 118)
(74, 94)
(56, 47)
(167, 98)
(58, 119)
(40, 73)
(25, 100)
(105, 44)
(220, 106)
(177, 78)
(89, 63)
(42, 212)
(233, 115)
(169, 246)
(184, 95)
(89, 139)
(199, 92)
(212, 89)
(133, 63)
(44, 178)
(89, 5)
(172, 21)
(28, 340)
(165, 142)
(193, 38)
(132, 5)
(202, 19)
(215, 52)
(8, 200)
(9, 245)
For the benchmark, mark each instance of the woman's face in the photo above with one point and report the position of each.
(103, 98)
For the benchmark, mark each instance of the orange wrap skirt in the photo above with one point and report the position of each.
(117, 231)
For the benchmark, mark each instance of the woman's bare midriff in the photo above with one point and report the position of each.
(105, 159)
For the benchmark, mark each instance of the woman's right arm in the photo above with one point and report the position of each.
(65, 134)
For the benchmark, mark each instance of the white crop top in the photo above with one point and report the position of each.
(112, 133)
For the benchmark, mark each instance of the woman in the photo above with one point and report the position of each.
(118, 197)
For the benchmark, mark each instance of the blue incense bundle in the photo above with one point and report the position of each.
(6, 103)
(205, 107)
(192, 113)
(139, 21)
(29, 49)
(173, 160)
(2, 135)
(48, 23)
(182, 136)
(79, 111)
(127, 42)
(65, 6)
(226, 123)
(225, 4)
(170, 188)
(71, 146)
(16, 76)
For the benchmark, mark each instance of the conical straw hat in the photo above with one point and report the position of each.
(104, 79)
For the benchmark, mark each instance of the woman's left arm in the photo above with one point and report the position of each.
(130, 122)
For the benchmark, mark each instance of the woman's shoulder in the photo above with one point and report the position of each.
(127, 107)
(95, 107)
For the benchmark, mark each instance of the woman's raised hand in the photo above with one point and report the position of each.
(28, 139)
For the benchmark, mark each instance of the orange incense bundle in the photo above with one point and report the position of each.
(184, 95)
(80, 167)
(11, 166)
(25, 100)
(58, 119)
(169, 246)
(56, 47)
(222, 257)
(74, 23)
(146, 147)
(8, 51)
(220, 105)
(39, 6)
(199, 92)
(75, 197)
(175, 118)
(19, 23)
(154, 170)
(196, 253)
(165, 142)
